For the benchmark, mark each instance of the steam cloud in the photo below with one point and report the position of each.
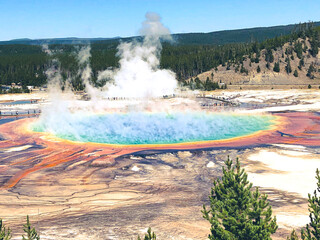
(139, 78)
(139, 75)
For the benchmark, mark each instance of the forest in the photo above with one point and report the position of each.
(27, 64)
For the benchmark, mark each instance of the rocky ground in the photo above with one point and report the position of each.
(82, 199)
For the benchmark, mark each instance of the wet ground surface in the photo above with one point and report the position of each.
(88, 191)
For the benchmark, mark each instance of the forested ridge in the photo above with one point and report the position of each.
(216, 38)
(27, 63)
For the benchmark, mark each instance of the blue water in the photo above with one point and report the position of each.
(155, 128)
(17, 102)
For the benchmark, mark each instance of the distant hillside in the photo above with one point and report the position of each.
(294, 64)
(236, 36)
(216, 38)
(70, 40)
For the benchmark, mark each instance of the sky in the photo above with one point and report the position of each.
(111, 18)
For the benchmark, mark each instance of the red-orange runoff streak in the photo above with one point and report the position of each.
(292, 128)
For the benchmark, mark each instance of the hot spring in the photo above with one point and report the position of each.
(153, 128)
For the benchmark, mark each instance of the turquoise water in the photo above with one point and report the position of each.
(155, 128)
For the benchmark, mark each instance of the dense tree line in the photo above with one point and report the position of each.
(27, 64)
(22, 63)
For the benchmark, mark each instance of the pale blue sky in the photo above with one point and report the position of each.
(110, 18)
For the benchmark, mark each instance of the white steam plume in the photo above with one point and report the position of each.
(139, 75)
(85, 70)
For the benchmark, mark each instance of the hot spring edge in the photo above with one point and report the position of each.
(152, 128)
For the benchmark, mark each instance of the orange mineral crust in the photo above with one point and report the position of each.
(27, 151)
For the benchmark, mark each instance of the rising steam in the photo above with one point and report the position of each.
(139, 75)
(140, 82)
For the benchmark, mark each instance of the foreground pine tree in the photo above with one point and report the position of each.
(235, 212)
(312, 231)
(30, 231)
(293, 236)
(149, 236)
(5, 233)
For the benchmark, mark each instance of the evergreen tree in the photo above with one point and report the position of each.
(293, 236)
(311, 69)
(314, 48)
(276, 67)
(269, 55)
(312, 231)
(149, 236)
(288, 67)
(295, 73)
(210, 85)
(301, 63)
(235, 212)
(228, 66)
(298, 49)
(243, 70)
(5, 233)
(192, 84)
(198, 83)
(268, 65)
(258, 69)
(30, 231)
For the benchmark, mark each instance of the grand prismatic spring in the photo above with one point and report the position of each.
(155, 128)
(138, 162)
(115, 134)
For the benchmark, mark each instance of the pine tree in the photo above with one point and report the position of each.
(293, 236)
(288, 67)
(276, 67)
(269, 56)
(258, 69)
(314, 48)
(243, 70)
(149, 236)
(312, 231)
(235, 212)
(198, 83)
(5, 233)
(295, 73)
(301, 62)
(30, 231)
(268, 65)
(311, 69)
